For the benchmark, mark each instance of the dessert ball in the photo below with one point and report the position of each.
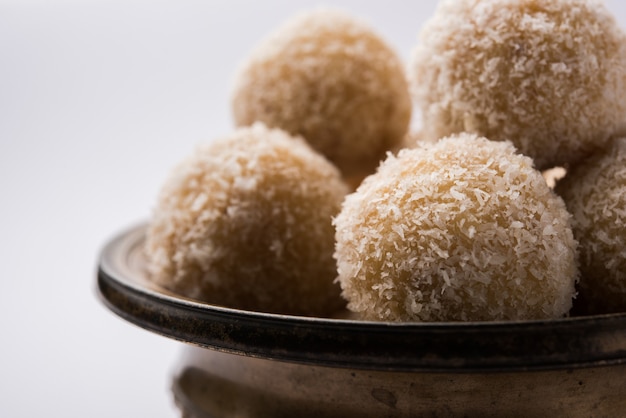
(461, 230)
(331, 79)
(595, 194)
(550, 76)
(246, 222)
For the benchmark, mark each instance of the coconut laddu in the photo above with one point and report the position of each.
(331, 79)
(595, 193)
(465, 229)
(245, 222)
(550, 76)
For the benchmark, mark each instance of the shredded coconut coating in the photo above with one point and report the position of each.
(331, 79)
(595, 194)
(547, 75)
(461, 230)
(245, 222)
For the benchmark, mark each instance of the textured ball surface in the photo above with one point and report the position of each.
(246, 222)
(550, 76)
(595, 194)
(461, 230)
(331, 79)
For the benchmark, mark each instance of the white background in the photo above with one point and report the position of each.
(98, 100)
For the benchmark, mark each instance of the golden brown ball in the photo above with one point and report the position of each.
(550, 76)
(595, 193)
(245, 222)
(465, 229)
(331, 79)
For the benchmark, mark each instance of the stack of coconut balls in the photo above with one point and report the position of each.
(322, 198)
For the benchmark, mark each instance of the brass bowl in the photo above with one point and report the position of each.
(254, 364)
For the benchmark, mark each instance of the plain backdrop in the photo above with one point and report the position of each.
(98, 100)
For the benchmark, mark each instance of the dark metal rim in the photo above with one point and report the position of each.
(459, 347)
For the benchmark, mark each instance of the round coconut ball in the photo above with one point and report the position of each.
(595, 194)
(462, 230)
(245, 222)
(550, 76)
(334, 81)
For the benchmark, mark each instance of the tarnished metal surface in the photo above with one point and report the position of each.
(212, 384)
(268, 365)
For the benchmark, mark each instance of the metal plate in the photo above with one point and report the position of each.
(404, 347)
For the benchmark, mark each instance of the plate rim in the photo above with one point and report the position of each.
(489, 346)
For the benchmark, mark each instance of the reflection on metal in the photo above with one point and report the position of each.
(209, 383)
